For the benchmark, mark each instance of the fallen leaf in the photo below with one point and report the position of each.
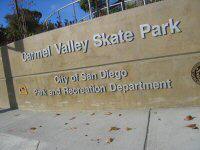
(114, 129)
(72, 118)
(128, 129)
(108, 113)
(33, 128)
(193, 126)
(109, 140)
(97, 140)
(92, 114)
(72, 128)
(188, 118)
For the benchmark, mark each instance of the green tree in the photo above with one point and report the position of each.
(31, 20)
(17, 7)
(49, 26)
(3, 38)
(96, 5)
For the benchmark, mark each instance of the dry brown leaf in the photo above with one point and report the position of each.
(72, 118)
(128, 129)
(97, 140)
(108, 113)
(33, 129)
(109, 140)
(188, 118)
(92, 114)
(114, 129)
(72, 128)
(193, 126)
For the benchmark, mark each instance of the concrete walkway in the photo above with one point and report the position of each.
(156, 129)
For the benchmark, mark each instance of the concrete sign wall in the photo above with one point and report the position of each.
(143, 57)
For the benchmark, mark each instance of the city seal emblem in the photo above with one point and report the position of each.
(195, 73)
(23, 90)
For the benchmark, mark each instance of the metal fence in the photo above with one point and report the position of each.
(83, 16)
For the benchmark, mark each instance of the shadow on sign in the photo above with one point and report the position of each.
(19, 47)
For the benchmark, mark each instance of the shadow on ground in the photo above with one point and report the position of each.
(5, 110)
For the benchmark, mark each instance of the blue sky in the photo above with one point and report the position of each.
(45, 7)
